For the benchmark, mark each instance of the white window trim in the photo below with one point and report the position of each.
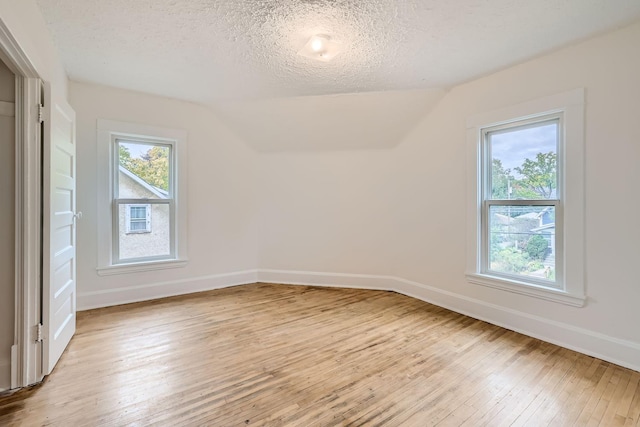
(571, 105)
(108, 131)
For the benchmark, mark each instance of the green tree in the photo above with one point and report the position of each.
(500, 179)
(125, 156)
(152, 167)
(510, 260)
(539, 175)
(522, 191)
(537, 247)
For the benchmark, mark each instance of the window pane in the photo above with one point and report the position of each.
(138, 225)
(155, 243)
(144, 171)
(522, 241)
(524, 161)
(138, 212)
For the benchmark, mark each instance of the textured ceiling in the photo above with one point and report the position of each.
(210, 51)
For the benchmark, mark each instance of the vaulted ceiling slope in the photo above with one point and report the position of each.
(372, 120)
(210, 51)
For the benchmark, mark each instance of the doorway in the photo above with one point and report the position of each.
(7, 221)
(20, 217)
(40, 306)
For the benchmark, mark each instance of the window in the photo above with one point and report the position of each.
(143, 187)
(141, 215)
(525, 188)
(521, 201)
(138, 219)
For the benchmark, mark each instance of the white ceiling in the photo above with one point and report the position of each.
(209, 51)
(239, 57)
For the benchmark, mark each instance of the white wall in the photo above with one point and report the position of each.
(27, 26)
(222, 211)
(432, 251)
(402, 212)
(353, 121)
(396, 216)
(327, 212)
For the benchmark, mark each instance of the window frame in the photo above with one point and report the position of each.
(486, 188)
(116, 201)
(109, 133)
(570, 289)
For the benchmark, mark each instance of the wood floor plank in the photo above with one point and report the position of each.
(276, 355)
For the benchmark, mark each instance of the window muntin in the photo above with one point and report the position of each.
(521, 215)
(143, 189)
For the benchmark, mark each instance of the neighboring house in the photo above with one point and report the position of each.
(547, 228)
(143, 228)
(516, 229)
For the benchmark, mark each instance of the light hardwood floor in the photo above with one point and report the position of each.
(303, 356)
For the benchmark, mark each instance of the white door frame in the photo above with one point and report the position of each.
(26, 353)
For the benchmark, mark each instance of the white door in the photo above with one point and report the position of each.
(59, 232)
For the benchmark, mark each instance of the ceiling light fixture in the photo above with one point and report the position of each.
(320, 47)
(317, 44)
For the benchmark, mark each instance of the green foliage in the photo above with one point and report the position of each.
(537, 247)
(521, 191)
(152, 167)
(125, 156)
(534, 265)
(539, 175)
(550, 273)
(510, 260)
(500, 178)
(539, 178)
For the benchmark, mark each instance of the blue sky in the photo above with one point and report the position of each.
(514, 146)
(136, 150)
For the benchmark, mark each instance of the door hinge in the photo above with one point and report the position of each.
(39, 332)
(40, 113)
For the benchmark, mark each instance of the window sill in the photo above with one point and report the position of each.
(141, 266)
(548, 294)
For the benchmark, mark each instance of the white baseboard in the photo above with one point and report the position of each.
(338, 280)
(621, 352)
(5, 376)
(117, 296)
